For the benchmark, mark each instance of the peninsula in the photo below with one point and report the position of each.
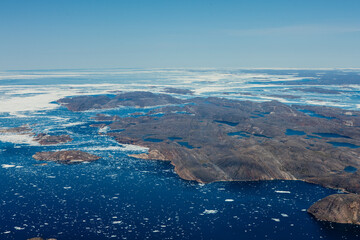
(217, 139)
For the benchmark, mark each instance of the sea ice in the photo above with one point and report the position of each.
(7, 166)
(210, 211)
(279, 191)
(18, 139)
(104, 129)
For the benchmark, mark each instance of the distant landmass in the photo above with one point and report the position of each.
(217, 139)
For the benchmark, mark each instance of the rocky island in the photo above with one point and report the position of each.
(66, 157)
(46, 139)
(216, 139)
(340, 208)
(24, 129)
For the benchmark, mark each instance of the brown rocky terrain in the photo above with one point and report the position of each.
(25, 129)
(66, 157)
(45, 139)
(216, 139)
(340, 208)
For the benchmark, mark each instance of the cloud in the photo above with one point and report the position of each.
(295, 30)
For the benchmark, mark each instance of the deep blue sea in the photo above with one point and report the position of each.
(119, 197)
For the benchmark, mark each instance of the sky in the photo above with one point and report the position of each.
(72, 34)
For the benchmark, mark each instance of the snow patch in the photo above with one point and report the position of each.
(130, 147)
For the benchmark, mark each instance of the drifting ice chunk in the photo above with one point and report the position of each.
(7, 166)
(210, 211)
(278, 191)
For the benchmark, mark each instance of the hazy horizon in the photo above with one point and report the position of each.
(179, 34)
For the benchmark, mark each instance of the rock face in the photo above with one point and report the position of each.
(66, 157)
(45, 139)
(340, 208)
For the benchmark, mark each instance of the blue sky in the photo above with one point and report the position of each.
(229, 33)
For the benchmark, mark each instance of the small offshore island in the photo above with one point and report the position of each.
(217, 139)
(66, 157)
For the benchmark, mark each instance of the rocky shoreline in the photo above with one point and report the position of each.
(216, 139)
(340, 208)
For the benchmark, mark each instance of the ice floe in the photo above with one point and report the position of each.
(73, 124)
(209, 211)
(280, 191)
(7, 165)
(19, 228)
(104, 129)
(18, 139)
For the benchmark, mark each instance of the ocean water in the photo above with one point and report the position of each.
(118, 197)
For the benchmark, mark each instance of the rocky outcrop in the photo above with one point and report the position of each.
(178, 91)
(45, 139)
(66, 157)
(24, 129)
(339, 208)
(151, 155)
